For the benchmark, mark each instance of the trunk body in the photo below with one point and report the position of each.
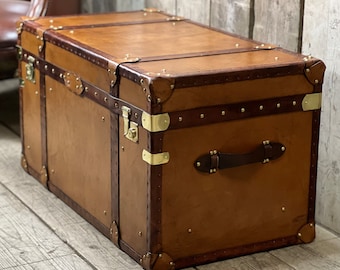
(181, 143)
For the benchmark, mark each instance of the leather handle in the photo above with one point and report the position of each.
(215, 160)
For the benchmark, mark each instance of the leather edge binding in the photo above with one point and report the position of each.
(154, 196)
(235, 252)
(186, 118)
(80, 210)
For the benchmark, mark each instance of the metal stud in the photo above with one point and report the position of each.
(294, 103)
(96, 93)
(261, 107)
(180, 119)
(316, 81)
(278, 105)
(299, 235)
(283, 209)
(283, 148)
(189, 230)
(243, 110)
(276, 58)
(105, 212)
(105, 99)
(307, 70)
(237, 45)
(103, 118)
(53, 70)
(198, 164)
(202, 115)
(223, 113)
(140, 234)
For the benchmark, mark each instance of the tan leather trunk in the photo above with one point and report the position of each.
(181, 143)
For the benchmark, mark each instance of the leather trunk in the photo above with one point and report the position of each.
(181, 143)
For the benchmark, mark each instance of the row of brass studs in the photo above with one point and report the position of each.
(243, 110)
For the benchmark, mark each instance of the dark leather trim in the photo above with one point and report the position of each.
(235, 251)
(236, 111)
(314, 166)
(80, 210)
(115, 198)
(43, 122)
(154, 222)
(99, 58)
(130, 251)
(33, 172)
(186, 118)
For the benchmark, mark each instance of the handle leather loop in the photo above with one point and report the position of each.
(215, 160)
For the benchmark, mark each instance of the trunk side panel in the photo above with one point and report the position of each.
(234, 207)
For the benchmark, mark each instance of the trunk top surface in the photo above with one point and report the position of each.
(162, 44)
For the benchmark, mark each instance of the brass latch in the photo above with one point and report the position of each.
(30, 69)
(130, 128)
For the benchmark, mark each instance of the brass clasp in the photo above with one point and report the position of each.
(130, 128)
(30, 74)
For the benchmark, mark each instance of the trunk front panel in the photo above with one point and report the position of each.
(79, 150)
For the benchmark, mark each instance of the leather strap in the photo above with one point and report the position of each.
(215, 160)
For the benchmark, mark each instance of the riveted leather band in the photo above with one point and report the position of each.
(179, 119)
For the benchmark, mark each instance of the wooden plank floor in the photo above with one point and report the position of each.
(38, 231)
